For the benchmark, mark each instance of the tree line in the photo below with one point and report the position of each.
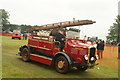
(7, 26)
(114, 32)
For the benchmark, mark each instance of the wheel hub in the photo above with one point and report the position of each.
(24, 54)
(60, 64)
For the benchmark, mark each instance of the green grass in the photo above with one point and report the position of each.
(14, 67)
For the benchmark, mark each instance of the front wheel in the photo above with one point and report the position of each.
(62, 65)
(19, 38)
(25, 54)
(12, 37)
(82, 68)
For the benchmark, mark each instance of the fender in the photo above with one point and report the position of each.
(20, 49)
(69, 58)
(25, 46)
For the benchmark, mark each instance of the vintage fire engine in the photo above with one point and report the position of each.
(44, 49)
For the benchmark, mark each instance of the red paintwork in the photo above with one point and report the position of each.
(16, 33)
(75, 48)
(40, 59)
(17, 36)
(5, 34)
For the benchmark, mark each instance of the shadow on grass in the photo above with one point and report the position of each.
(72, 72)
(37, 64)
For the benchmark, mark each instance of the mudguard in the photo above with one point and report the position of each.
(25, 46)
(20, 49)
(68, 57)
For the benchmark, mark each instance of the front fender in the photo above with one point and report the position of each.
(68, 57)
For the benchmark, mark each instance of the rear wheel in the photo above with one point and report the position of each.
(62, 65)
(25, 54)
(82, 68)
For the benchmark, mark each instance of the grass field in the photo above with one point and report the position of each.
(14, 67)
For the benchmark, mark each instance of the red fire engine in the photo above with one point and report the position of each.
(16, 34)
(44, 49)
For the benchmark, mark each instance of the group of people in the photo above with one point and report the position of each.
(24, 36)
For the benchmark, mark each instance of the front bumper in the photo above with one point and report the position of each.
(75, 64)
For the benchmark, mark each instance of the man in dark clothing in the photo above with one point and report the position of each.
(23, 36)
(100, 48)
(61, 38)
(54, 32)
(26, 36)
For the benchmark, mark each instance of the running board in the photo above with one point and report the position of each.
(41, 59)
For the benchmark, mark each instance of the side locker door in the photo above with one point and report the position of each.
(45, 46)
(33, 42)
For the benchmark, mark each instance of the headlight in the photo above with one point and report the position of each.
(97, 57)
(92, 58)
(86, 57)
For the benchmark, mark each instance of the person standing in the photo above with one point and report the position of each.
(26, 36)
(23, 36)
(100, 49)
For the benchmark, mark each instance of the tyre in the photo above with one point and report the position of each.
(82, 68)
(62, 65)
(12, 37)
(25, 54)
(19, 38)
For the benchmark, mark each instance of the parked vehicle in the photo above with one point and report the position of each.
(16, 34)
(44, 49)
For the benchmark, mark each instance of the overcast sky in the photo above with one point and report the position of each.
(40, 12)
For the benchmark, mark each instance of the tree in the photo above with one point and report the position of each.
(4, 16)
(114, 31)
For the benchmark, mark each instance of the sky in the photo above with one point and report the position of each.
(40, 12)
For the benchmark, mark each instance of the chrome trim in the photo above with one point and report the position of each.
(92, 59)
(45, 41)
(33, 46)
(88, 55)
(34, 39)
(43, 48)
(89, 52)
(97, 57)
